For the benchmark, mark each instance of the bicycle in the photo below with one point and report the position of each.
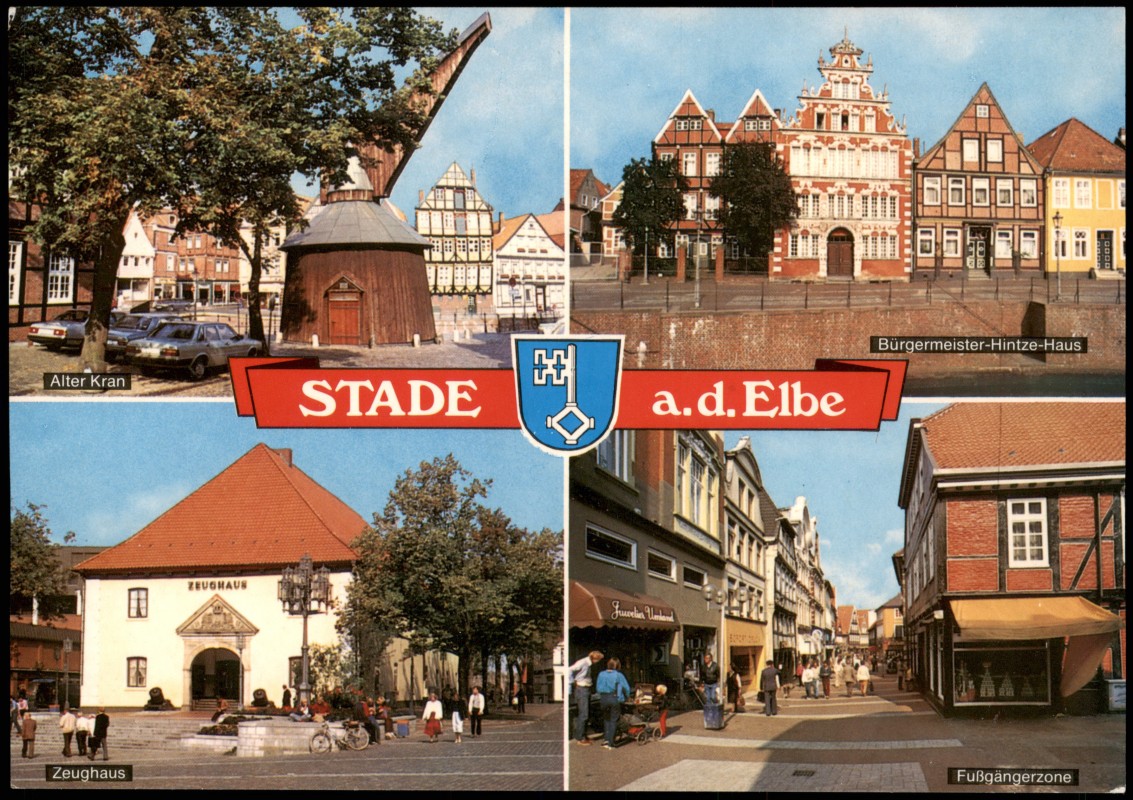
(354, 737)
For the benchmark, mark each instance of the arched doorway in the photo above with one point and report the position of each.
(840, 254)
(215, 673)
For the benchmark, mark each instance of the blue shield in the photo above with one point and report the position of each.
(567, 390)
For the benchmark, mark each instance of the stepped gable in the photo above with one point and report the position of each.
(1005, 435)
(261, 513)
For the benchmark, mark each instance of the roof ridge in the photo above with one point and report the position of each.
(303, 494)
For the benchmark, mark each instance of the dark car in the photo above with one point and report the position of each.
(131, 327)
(66, 330)
(193, 346)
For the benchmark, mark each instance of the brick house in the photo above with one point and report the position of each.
(1014, 582)
(978, 196)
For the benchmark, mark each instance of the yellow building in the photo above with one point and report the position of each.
(1085, 193)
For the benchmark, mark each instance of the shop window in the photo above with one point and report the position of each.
(606, 546)
(136, 672)
(1018, 674)
(1026, 526)
(138, 603)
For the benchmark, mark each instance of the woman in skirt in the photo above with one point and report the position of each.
(432, 716)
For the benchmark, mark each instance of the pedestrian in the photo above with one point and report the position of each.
(14, 710)
(67, 726)
(476, 711)
(613, 690)
(799, 673)
(286, 697)
(711, 679)
(83, 727)
(27, 733)
(769, 685)
(661, 701)
(99, 734)
(457, 719)
(432, 715)
(849, 676)
(583, 684)
(863, 678)
(810, 681)
(362, 717)
(825, 674)
(735, 689)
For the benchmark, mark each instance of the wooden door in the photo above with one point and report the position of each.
(344, 318)
(977, 249)
(840, 255)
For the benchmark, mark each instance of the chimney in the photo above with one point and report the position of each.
(285, 454)
(711, 114)
(501, 222)
(473, 171)
(916, 147)
(420, 197)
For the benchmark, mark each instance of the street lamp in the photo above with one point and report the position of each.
(68, 645)
(697, 215)
(1058, 255)
(241, 639)
(303, 591)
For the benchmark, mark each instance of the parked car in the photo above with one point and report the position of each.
(66, 330)
(173, 305)
(193, 346)
(131, 327)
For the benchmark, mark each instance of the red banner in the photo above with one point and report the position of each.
(298, 393)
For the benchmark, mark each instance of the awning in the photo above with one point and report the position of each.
(594, 606)
(742, 633)
(1014, 618)
(1089, 627)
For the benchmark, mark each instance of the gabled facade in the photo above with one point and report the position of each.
(850, 163)
(889, 630)
(585, 201)
(613, 238)
(1084, 181)
(783, 555)
(812, 637)
(691, 138)
(457, 221)
(1014, 584)
(979, 196)
(530, 276)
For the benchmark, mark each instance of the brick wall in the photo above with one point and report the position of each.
(794, 339)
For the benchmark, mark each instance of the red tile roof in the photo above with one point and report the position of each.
(262, 512)
(1000, 435)
(1076, 147)
(845, 614)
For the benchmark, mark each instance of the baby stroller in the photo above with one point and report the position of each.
(637, 725)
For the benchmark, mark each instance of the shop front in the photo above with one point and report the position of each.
(636, 629)
(1003, 652)
(745, 649)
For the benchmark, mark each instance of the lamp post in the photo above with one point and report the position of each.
(67, 647)
(303, 591)
(241, 639)
(1058, 255)
(696, 256)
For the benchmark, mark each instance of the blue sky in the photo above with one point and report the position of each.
(850, 480)
(630, 67)
(504, 116)
(105, 470)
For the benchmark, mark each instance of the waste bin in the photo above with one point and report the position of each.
(713, 716)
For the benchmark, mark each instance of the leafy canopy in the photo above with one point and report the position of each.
(757, 198)
(36, 569)
(652, 200)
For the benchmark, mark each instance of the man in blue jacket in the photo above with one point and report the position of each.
(613, 690)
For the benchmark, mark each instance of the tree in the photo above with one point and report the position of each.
(36, 570)
(756, 194)
(445, 572)
(210, 111)
(652, 200)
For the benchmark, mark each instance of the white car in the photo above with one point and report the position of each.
(193, 346)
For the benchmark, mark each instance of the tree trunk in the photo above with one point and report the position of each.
(93, 357)
(255, 313)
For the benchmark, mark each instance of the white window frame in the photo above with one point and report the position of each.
(615, 455)
(955, 184)
(1004, 192)
(671, 575)
(688, 163)
(15, 272)
(1080, 244)
(970, 151)
(981, 192)
(60, 279)
(712, 164)
(981, 110)
(1083, 193)
(1027, 517)
(137, 603)
(926, 241)
(689, 584)
(631, 564)
(995, 151)
(1004, 242)
(1029, 244)
(137, 666)
(932, 190)
(1028, 192)
(950, 242)
(1060, 192)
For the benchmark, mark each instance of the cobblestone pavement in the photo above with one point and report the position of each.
(890, 741)
(510, 756)
(28, 363)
